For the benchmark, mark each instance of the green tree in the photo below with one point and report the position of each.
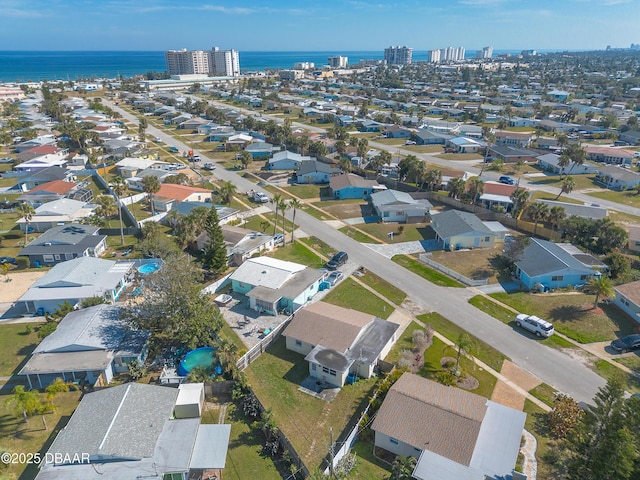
(519, 199)
(567, 186)
(276, 200)
(25, 402)
(345, 164)
(56, 387)
(107, 207)
(284, 206)
(602, 287)
(475, 188)
(215, 250)
(136, 370)
(556, 215)
(294, 205)
(456, 187)
(246, 159)
(565, 415)
(226, 355)
(538, 212)
(433, 178)
(142, 128)
(26, 211)
(227, 191)
(151, 186)
(402, 468)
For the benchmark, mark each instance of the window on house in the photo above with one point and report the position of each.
(56, 256)
(585, 277)
(557, 278)
(47, 258)
(298, 343)
(637, 244)
(486, 239)
(393, 440)
(313, 367)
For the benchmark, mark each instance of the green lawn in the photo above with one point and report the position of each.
(349, 294)
(369, 467)
(31, 437)
(629, 197)
(544, 392)
(537, 425)
(305, 191)
(405, 342)
(384, 288)
(550, 196)
(16, 344)
(305, 420)
(582, 181)
(572, 315)
(314, 212)
(358, 236)
(318, 245)
(425, 272)
(244, 457)
(480, 350)
(410, 233)
(227, 333)
(298, 253)
(607, 371)
(506, 316)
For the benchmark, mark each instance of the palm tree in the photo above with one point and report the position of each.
(519, 199)
(402, 468)
(142, 127)
(107, 207)
(563, 162)
(246, 159)
(345, 164)
(119, 188)
(463, 346)
(227, 190)
(577, 154)
(433, 178)
(568, 184)
(27, 212)
(456, 187)
(283, 209)
(476, 188)
(294, 204)
(56, 387)
(226, 354)
(276, 200)
(538, 212)
(602, 287)
(556, 215)
(150, 186)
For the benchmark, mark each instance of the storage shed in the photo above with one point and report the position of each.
(190, 400)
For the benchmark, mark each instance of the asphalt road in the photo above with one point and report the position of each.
(553, 367)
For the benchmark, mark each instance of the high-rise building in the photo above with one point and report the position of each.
(338, 61)
(225, 63)
(398, 55)
(303, 65)
(183, 62)
(434, 56)
(202, 62)
(486, 52)
(450, 54)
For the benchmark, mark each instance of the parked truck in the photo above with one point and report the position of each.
(258, 197)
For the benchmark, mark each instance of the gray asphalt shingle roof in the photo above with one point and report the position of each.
(542, 257)
(456, 222)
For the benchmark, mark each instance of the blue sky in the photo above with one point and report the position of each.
(316, 25)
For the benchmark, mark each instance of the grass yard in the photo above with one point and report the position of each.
(582, 181)
(349, 294)
(536, 424)
(476, 264)
(305, 191)
(16, 344)
(550, 196)
(506, 316)
(432, 367)
(607, 371)
(544, 392)
(629, 197)
(384, 288)
(298, 253)
(358, 236)
(572, 315)
(405, 342)
(227, 333)
(244, 457)
(461, 156)
(314, 212)
(481, 350)
(410, 233)
(318, 245)
(424, 148)
(346, 208)
(425, 272)
(31, 437)
(369, 467)
(305, 420)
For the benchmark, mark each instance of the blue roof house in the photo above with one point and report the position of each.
(349, 185)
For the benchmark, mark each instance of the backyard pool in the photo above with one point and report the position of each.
(200, 357)
(148, 268)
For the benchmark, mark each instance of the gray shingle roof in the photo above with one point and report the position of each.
(71, 238)
(542, 257)
(456, 222)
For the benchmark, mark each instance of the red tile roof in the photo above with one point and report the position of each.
(43, 150)
(56, 186)
(178, 192)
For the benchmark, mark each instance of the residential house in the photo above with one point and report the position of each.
(496, 193)
(632, 137)
(273, 285)
(470, 131)
(192, 123)
(225, 214)
(130, 432)
(241, 243)
(47, 192)
(339, 341)
(239, 139)
(457, 229)
(122, 147)
(259, 150)
(619, 156)
(633, 242)
(576, 210)
(171, 194)
(56, 213)
(617, 178)
(628, 299)
(440, 126)
(550, 163)
(89, 346)
(41, 157)
(512, 155)
(371, 126)
(45, 175)
(129, 167)
(522, 122)
(547, 264)
(315, 172)
(513, 139)
(287, 160)
(395, 131)
(395, 206)
(544, 143)
(136, 182)
(428, 137)
(465, 145)
(455, 434)
(65, 242)
(350, 185)
(75, 280)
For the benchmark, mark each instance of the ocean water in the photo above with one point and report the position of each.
(35, 66)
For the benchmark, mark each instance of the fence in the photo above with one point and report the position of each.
(257, 350)
(424, 258)
(216, 388)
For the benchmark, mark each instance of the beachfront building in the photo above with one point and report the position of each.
(225, 63)
(338, 61)
(398, 55)
(218, 62)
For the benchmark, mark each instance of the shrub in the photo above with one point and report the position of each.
(346, 465)
(446, 377)
(406, 359)
(23, 263)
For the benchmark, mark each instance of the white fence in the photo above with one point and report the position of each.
(424, 258)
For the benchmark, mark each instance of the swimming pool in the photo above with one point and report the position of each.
(148, 268)
(200, 357)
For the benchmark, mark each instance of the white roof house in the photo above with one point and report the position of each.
(266, 271)
(56, 213)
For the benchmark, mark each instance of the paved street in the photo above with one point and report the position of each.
(551, 366)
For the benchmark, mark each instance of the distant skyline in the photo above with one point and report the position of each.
(294, 25)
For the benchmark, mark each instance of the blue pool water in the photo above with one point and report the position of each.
(200, 357)
(148, 268)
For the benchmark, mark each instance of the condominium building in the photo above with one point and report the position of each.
(338, 61)
(398, 55)
(303, 65)
(451, 54)
(486, 52)
(434, 56)
(203, 62)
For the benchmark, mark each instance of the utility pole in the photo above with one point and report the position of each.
(331, 472)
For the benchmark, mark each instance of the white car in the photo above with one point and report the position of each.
(536, 325)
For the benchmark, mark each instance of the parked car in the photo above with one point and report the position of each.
(209, 166)
(278, 238)
(535, 325)
(173, 149)
(157, 139)
(334, 277)
(338, 260)
(258, 197)
(507, 180)
(409, 142)
(624, 344)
